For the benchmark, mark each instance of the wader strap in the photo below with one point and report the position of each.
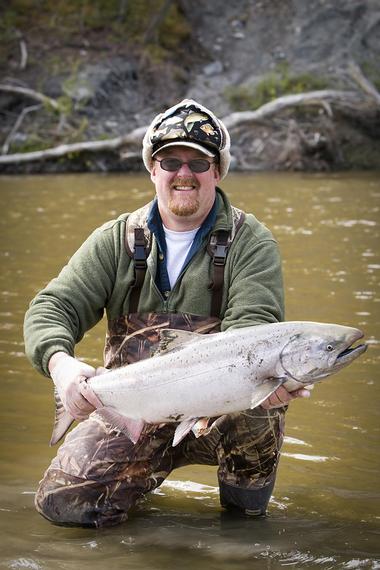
(219, 263)
(140, 265)
(218, 252)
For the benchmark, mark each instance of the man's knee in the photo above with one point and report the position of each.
(85, 503)
(60, 508)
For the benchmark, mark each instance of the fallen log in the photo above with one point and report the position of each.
(326, 99)
(320, 98)
(363, 82)
(31, 93)
(135, 137)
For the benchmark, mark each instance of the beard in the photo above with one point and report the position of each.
(184, 208)
(181, 204)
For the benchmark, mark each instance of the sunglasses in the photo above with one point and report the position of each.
(196, 165)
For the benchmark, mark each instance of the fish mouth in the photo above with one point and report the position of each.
(351, 352)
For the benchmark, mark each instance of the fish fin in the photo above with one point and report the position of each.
(264, 390)
(172, 339)
(182, 430)
(128, 426)
(201, 427)
(62, 420)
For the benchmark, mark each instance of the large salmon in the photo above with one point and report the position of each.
(193, 376)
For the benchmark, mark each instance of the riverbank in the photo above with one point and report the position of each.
(111, 67)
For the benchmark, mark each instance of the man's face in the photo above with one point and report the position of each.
(184, 197)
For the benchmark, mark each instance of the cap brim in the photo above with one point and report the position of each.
(199, 147)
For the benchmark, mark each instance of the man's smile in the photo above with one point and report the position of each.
(184, 185)
(184, 188)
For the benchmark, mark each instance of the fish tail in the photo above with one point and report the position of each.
(62, 420)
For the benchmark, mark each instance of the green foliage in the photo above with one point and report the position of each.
(118, 20)
(174, 29)
(65, 105)
(372, 72)
(79, 134)
(274, 85)
(33, 143)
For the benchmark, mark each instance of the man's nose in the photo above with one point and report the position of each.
(185, 170)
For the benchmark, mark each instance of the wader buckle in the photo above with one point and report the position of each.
(220, 254)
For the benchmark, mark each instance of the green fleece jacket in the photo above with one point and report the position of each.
(98, 278)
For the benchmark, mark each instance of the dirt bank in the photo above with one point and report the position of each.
(111, 66)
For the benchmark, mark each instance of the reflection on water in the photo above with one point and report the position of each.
(325, 509)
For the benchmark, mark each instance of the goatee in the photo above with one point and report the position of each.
(184, 205)
(184, 209)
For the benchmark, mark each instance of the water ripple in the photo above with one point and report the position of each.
(295, 441)
(314, 458)
(190, 487)
(296, 558)
(24, 563)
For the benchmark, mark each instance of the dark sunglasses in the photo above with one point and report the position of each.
(196, 165)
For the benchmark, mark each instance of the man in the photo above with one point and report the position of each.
(188, 260)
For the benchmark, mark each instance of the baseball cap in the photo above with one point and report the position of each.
(188, 124)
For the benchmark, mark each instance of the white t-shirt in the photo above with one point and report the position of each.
(178, 245)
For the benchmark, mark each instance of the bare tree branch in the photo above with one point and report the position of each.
(23, 49)
(133, 138)
(17, 125)
(30, 93)
(364, 83)
(24, 54)
(320, 98)
(156, 21)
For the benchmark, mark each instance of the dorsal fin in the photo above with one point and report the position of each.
(173, 339)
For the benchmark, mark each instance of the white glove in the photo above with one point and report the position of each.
(67, 374)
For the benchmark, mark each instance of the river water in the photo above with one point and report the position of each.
(325, 509)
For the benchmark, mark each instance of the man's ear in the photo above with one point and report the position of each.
(153, 172)
(217, 173)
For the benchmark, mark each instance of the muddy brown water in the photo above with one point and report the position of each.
(325, 509)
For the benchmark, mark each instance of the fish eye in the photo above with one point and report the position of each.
(329, 347)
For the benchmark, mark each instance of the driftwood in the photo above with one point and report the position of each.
(133, 138)
(324, 98)
(363, 82)
(31, 93)
(23, 54)
(17, 125)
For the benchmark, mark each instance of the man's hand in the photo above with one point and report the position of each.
(67, 374)
(281, 397)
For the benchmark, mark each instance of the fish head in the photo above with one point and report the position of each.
(318, 350)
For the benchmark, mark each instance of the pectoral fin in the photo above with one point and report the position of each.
(265, 389)
(128, 426)
(201, 427)
(182, 430)
(62, 420)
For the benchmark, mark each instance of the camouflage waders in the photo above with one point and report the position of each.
(98, 474)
